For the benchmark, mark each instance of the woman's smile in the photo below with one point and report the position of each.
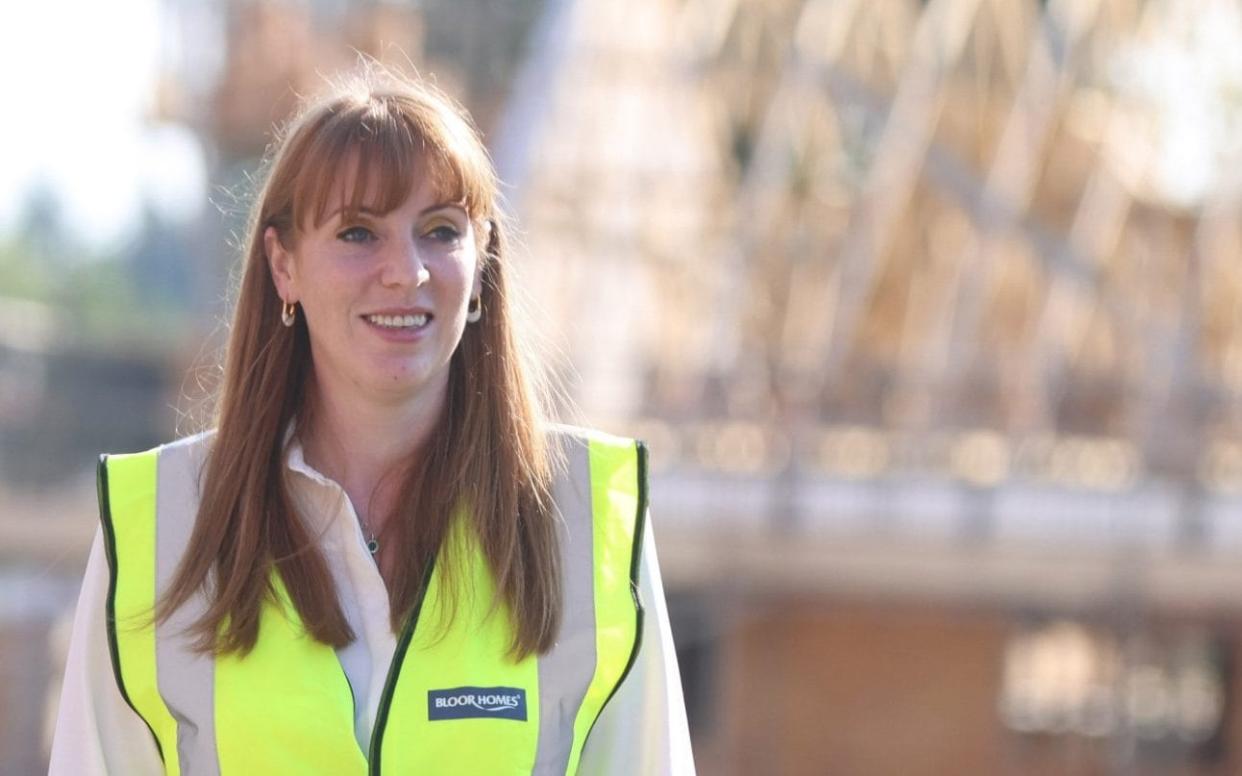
(399, 325)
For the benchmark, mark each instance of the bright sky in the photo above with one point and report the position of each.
(1186, 69)
(76, 78)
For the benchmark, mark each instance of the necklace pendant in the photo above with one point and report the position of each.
(373, 545)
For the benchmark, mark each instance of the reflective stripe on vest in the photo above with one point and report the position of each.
(452, 703)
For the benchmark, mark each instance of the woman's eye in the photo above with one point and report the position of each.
(356, 234)
(443, 233)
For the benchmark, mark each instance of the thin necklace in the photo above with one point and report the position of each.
(371, 538)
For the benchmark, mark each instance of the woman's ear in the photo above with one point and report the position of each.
(280, 261)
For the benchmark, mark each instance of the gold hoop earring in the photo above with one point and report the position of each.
(288, 313)
(475, 311)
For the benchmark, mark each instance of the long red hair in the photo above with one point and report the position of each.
(487, 450)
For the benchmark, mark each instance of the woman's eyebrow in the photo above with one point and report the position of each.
(442, 206)
(362, 211)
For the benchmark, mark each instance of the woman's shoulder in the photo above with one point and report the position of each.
(586, 454)
(190, 449)
(563, 432)
(194, 442)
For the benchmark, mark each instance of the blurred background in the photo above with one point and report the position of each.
(930, 312)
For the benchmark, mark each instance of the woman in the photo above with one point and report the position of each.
(381, 559)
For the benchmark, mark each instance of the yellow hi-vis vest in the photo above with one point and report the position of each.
(453, 703)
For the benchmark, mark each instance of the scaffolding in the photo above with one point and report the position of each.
(848, 240)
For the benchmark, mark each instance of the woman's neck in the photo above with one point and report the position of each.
(362, 445)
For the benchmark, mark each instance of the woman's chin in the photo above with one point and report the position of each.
(403, 382)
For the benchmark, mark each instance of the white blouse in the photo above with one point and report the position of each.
(642, 730)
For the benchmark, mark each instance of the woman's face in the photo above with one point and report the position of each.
(384, 296)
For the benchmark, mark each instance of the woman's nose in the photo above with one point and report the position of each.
(404, 266)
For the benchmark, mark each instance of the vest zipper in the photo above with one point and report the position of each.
(394, 672)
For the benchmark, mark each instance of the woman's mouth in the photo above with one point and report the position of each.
(399, 322)
(400, 328)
